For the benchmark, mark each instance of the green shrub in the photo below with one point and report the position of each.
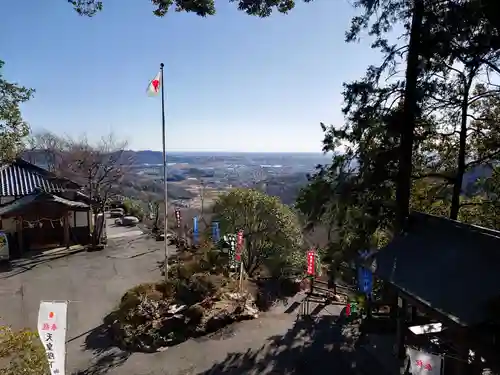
(21, 352)
(187, 269)
(153, 291)
(193, 290)
(133, 208)
(271, 229)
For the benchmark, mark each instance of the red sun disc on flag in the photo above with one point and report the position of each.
(51, 315)
(156, 84)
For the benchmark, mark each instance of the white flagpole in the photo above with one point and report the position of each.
(165, 229)
(241, 275)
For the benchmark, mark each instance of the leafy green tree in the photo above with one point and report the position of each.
(362, 191)
(453, 40)
(133, 208)
(13, 128)
(271, 229)
(463, 55)
(203, 8)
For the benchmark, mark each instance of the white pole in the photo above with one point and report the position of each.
(240, 249)
(165, 229)
(241, 274)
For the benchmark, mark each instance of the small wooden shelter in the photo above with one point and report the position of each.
(38, 210)
(447, 272)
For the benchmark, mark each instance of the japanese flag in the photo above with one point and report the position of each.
(155, 85)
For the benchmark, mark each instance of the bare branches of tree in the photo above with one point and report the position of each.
(45, 148)
(98, 166)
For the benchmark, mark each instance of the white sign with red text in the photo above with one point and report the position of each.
(424, 363)
(52, 322)
(311, 262)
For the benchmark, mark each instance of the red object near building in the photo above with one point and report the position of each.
(348, 309)
(311, 263)
(239, 245)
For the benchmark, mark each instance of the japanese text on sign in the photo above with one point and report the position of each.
(239, 245)
(178, 218)
(52, 331)
(426, 366)
(230, 239)
(424, 363)
(310, 262)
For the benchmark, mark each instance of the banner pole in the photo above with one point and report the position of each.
(241, 275)
(165, 187)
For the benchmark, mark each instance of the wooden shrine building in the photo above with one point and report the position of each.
(445, 271)
(39, 210)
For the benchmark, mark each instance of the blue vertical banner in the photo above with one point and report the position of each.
(365, 280)
(195, 230)
(215, 232)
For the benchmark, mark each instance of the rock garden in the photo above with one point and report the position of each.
(201, 295)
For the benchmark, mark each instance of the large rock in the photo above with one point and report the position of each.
(154, 324)
(227, 311)
(130, 221)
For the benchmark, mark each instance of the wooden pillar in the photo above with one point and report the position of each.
(369, 306)
(462, 364)
(66, 229)
(401, 328)
(413, 314)
(19, 231)
(393, 297)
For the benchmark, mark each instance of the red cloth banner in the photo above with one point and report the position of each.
(311, 263)
(239, 245)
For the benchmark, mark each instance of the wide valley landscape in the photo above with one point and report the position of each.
(250, 187)
(203, 175)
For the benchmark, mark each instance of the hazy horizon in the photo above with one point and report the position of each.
(231, 152)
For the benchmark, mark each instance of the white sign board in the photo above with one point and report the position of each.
(52, 321)
(427, 328)
(424, 363)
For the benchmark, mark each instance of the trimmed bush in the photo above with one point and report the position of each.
(133, 208)
(21, 352)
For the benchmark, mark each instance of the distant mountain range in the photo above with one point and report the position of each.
(144, 157)
(149, 157)
(287, 186)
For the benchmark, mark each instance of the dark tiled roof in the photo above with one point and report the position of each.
(20, 204)
(450, 266)
(21, 178)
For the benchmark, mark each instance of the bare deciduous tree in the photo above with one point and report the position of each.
(45, 148)
(99, 167)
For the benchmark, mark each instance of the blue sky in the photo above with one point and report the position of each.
(233, 82)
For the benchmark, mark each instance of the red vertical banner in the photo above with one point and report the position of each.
(311, 262)
(239, 245)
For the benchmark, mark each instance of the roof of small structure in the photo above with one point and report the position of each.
(449, 266)
(20, 178)
(19, 205)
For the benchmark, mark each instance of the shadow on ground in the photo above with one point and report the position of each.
(269, 291)
(13, 269)
(310, 347)
(106, 355)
